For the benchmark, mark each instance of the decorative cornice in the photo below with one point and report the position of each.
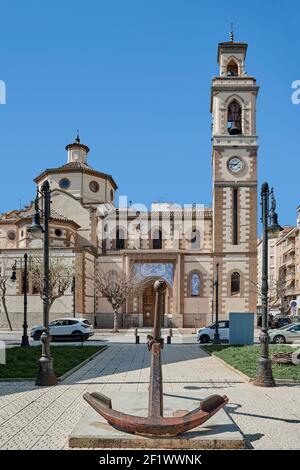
(234, 184)
(78, 145)
(81, 169)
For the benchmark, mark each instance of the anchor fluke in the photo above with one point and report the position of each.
(157, 426)
(103, 400)
(209, 404)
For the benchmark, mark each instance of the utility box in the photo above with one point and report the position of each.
(241, 328)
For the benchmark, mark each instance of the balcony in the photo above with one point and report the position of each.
(290, 275)
(289, 247)
(291, 292)
(290, 261)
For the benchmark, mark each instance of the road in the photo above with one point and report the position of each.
(180, 336)
(13, 338)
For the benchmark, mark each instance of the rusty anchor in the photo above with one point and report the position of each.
(155, 424)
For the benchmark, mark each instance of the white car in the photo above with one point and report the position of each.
(79, 328)
(285, 334)
(206, 334)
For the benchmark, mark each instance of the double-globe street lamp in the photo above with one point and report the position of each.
(24, 281)
(46, 375)
(264, 377)
(73, 290)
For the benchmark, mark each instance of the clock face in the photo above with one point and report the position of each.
(235, 164)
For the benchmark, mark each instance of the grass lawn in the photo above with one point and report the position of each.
(244, 358)
(23, 362)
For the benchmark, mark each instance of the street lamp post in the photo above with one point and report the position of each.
(264, 377)
(216, 283)
(46, 375)
(212, 301)
(73, 288)
(25, 340)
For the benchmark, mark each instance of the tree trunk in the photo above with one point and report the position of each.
(282, 358)
(116, 318)
(6, 313)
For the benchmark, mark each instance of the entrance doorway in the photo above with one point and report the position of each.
(149, 306)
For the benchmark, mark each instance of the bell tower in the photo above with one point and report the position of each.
(234, 168)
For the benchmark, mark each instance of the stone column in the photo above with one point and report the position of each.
(178, 292)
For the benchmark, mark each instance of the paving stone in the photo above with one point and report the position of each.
(43, 417)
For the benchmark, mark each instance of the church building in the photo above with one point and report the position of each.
(184, 245)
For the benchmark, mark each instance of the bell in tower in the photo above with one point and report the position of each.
(234, 118)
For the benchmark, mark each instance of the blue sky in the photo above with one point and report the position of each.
(134, 76)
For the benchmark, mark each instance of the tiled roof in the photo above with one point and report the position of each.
(76, 165)
(17, 216)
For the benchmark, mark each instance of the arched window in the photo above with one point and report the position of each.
(120, 239)
(157, 239)
(195, 285)
(234, 118)
(195, 239)
(232, 69)
(235, 283)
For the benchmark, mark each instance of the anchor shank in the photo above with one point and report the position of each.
(155, 408)
(155, 404)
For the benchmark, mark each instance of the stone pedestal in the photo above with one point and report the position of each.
(92, 431)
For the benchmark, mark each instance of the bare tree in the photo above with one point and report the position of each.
(276, 293)
(115, 285)
(3, 289)
(280, 289)
(60, 277)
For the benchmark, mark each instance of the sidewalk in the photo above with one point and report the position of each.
(42, 418)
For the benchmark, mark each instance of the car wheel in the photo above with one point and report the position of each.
(78, 334)
(37, 335)
(279, 339)
(204, 339)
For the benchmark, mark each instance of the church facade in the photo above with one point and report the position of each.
(184, 245)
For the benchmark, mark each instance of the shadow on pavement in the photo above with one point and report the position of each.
(232, 407)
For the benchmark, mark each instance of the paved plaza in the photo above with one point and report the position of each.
(42, 418)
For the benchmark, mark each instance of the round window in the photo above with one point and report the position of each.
(64, 183)
(58, 232)
(11, 235)
(94, 186)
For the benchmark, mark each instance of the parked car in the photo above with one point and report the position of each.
(285, 334)
(77, 328)
(280, 320)
(259, 320)
(275, 321)
(206, 334)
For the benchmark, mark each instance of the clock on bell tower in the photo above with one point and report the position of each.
(234, 167)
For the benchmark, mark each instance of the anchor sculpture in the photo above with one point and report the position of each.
(156, 424)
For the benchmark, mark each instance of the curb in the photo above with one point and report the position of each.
(17, 379)
(241, 374)
(283, 381)
(71, 371)
(62, 377)
(251, 379)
